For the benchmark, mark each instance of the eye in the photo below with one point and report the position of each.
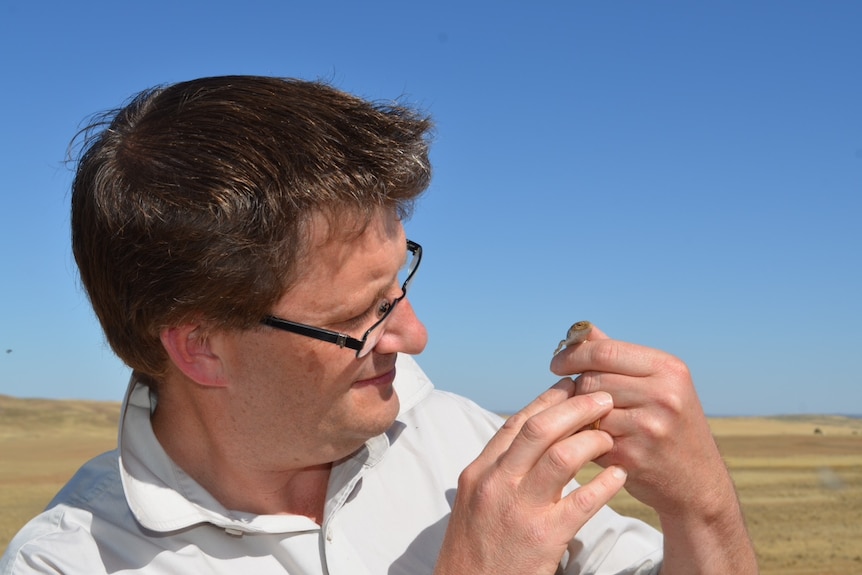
(383, 308)
(370, 315)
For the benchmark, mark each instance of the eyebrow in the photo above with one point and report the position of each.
(381, 293)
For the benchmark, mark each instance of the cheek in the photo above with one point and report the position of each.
(307, 373)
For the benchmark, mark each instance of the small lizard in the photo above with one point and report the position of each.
(578, 333)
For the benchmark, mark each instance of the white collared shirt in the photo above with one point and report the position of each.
(133, 510)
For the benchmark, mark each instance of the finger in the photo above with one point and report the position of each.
(546, 428)
(597, 334)
(618, 424)
(559, 464)
(608, 355)
(557, 393)
(558, 361)
(631, 397)
(626, 390)
(587, 499)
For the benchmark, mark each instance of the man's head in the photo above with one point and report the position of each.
(195, 201)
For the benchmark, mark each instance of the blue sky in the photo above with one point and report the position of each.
(686, 175)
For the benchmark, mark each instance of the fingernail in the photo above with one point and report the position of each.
(619, 472)
(603, 398)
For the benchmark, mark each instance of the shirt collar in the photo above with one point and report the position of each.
(165, 498)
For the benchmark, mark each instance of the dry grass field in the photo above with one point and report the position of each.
(801, 489)
(800, 483)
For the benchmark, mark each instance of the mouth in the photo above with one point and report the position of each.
(382, 380)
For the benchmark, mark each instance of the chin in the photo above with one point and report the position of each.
(377, 416)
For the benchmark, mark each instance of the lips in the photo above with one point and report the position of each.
(384, 379)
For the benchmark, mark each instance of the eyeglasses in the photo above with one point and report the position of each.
(362, 346)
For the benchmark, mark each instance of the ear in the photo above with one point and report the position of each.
(190, 351)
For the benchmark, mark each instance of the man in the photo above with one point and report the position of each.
(241, 241)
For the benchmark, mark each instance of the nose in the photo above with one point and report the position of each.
(404, 332)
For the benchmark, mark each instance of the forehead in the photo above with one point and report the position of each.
(334, 240)
(344, 257)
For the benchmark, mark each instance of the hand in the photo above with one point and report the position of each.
(509, 514)
(661, 435)
(662, 438)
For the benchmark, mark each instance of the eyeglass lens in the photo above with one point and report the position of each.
(405, 277)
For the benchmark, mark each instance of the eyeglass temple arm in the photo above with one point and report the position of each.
(339, 339)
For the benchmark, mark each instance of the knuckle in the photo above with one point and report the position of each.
(657, 428)
(674, 403)
(589, 381)
(605, 353)
(476, 489)
(675, 368)
(678, 386)
(649, 424)
(515, 422)
(534, 429)
(561, 458)
(468, 478)
(583, 499)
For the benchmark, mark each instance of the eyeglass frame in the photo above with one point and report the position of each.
(342, 339)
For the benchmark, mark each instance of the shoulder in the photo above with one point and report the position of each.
(60, 539)
(95, 481)
(48, 544)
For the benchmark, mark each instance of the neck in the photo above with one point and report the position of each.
(196, 436)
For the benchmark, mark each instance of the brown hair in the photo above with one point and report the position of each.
(192, 201)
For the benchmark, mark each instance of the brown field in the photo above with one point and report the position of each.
(801, 490)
